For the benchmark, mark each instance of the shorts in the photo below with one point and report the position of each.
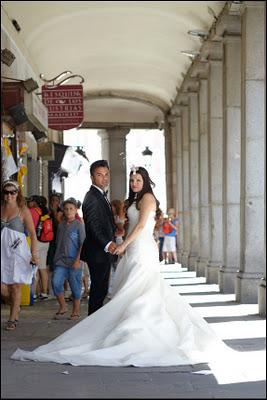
(43, 249)
(51, 254)
(73, 276)
(169, 244)
(85, 269)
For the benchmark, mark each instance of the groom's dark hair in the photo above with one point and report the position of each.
(96, 164)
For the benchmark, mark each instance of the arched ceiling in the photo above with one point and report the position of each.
(129, 52)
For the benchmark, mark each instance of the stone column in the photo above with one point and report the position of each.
(252, 262)
(215, 90)
(179, 174)
(172, 121)
(231, 162)
(45, 179)
(104, 144)
(117, 162)
(193, 178)
(204, 201)
(175, 122)
(168, 162)
(186, 188)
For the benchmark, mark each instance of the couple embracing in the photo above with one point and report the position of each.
(99, 249)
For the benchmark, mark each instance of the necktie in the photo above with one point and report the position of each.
(106, 198)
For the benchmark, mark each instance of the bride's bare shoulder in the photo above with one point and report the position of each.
(148, 199)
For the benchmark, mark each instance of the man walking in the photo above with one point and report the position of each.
(100, 227)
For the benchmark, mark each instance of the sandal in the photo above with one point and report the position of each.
(60, 315)
(74, 317)
(11, 325)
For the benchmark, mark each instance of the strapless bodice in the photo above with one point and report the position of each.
(133, 215)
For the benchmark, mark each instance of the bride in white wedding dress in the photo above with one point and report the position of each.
(146, 323)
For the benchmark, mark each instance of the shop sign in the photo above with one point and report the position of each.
(65, 106)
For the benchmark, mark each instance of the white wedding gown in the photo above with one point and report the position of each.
(147, 323)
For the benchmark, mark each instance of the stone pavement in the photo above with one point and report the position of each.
(237, 324)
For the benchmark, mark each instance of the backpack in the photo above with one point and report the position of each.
(44, 228)
(166, 227)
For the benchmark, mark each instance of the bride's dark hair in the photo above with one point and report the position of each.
(147, 188)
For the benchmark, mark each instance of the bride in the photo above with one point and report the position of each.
(146, 323)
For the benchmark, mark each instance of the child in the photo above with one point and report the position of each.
(69, 240)
(119, 218)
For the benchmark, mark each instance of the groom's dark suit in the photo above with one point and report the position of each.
(100, 230)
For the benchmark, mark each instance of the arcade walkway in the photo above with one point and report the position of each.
(239, 325)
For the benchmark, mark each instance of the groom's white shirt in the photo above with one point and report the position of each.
(102, 191)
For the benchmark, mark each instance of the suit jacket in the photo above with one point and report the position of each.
(99, 227)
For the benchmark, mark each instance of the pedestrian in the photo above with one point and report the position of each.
(16, 254)
(69, 240)
(40, 211)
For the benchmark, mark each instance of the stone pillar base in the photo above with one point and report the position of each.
(179, 256)
(192, 262)
(246, 287)
(185, 257)
(262, 298)
(227, 277)
(212, 272)
(200, 266)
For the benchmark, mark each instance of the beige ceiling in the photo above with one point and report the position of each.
(129, 52)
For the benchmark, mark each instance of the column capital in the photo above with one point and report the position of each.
(182, 98)
(231, 38)
(118, 133)
(228, 25)
(212, 50)
(193, 94)
(175, 111)
(191, 84)
(172, 120)
(103, 134)
(200, 69)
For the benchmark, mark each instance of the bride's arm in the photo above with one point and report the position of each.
(147, 204)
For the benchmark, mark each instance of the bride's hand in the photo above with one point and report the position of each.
(120, 250)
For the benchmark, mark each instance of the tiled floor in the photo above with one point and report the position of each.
(237, 324)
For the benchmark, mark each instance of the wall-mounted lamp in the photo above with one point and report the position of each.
(190, 53)
(81, 152)
(198, 33)
(29, 84)
(39, 135)
(7, 57)
(16, 25)
(147, 154)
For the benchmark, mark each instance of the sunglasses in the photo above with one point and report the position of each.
(12, 192)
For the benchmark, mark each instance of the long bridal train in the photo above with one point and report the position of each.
(147, 323)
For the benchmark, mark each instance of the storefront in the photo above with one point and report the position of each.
(24, 122)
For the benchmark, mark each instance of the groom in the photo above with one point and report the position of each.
(100, 227)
